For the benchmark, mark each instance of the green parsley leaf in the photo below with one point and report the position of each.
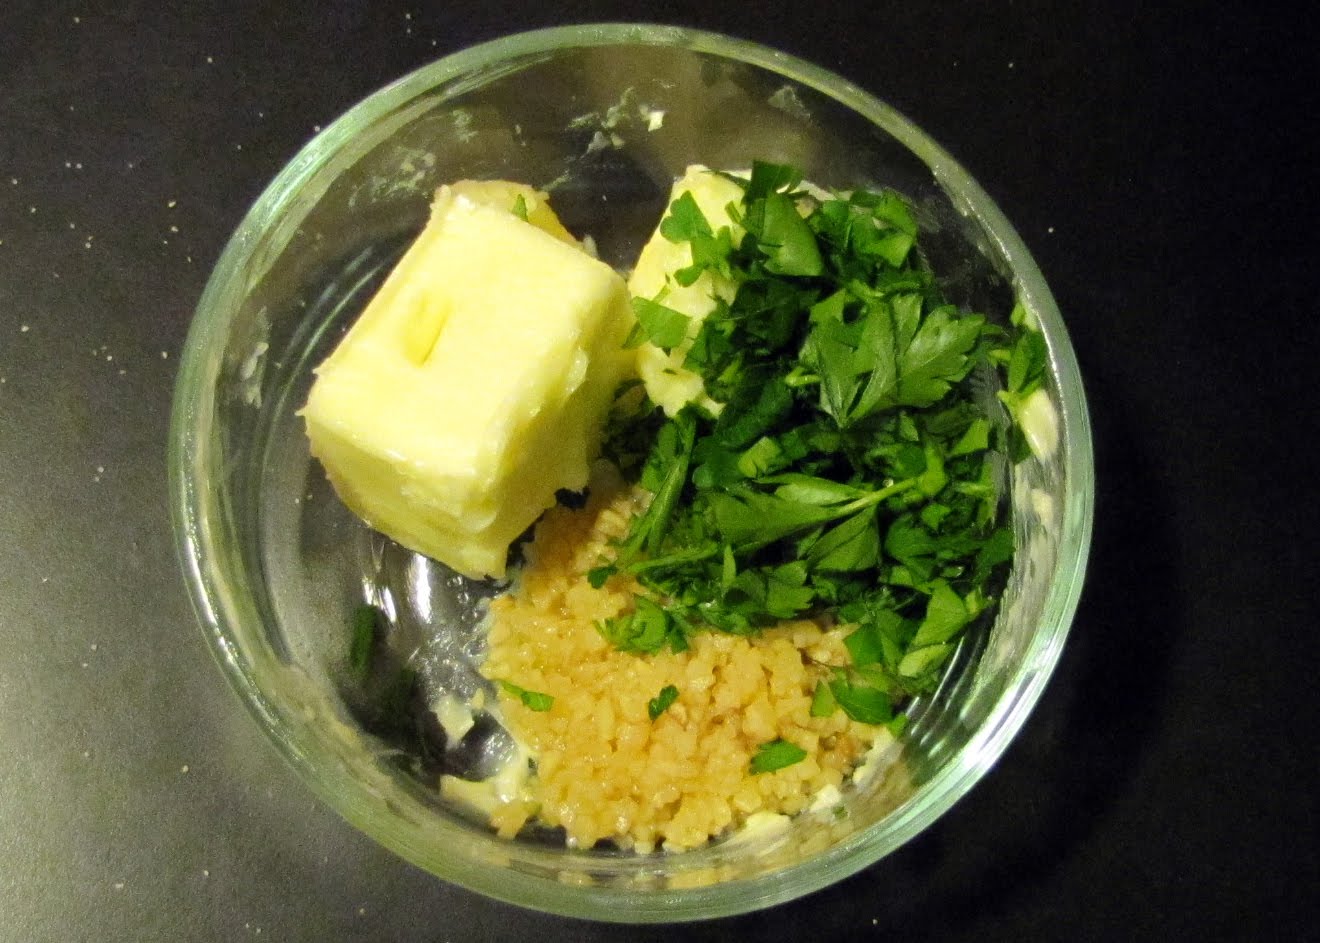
(753, 414)
(851, 545)
(520, 207)
(975, 439)
(755, 518)
(685, 220)
(1026, 366)
(812, 489)
(533, 700)
(862, 703)
(767, 178)
(864, 645)
(920, 661)
(662, 701)
(946, 614)
(937, 356)
(662, 326)
(645, 629)
(763, 456)
(787, 240)
(823, 703)
(776, 755)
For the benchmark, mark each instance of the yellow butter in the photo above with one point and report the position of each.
(668, 383)
(476, 382)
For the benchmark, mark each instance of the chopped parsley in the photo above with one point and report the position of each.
(534, 700)
(662, 701)
(852, 471)
(775, 755)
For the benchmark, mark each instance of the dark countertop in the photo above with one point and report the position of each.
(1154, 161)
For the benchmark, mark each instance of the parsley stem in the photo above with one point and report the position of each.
(875, 497)
(674, 559)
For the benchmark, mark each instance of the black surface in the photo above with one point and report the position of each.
(1158, 163)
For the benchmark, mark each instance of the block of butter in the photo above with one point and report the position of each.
(476, 382)
(668, 383)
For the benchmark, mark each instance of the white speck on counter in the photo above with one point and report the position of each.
(119, 885)
(94, 646)
(1010, 65)
(362, 911)
(183, 768)
(210, 60)
(205, 873)
(174, 229)
(23, 329)
(173, 203)
(32, 210)
(164, 355)
(1050, 229)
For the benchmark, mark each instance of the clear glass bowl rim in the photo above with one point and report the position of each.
(207, 584)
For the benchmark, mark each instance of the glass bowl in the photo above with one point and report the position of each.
(606, 117)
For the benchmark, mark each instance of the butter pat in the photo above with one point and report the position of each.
(668, 383)
(476, 382)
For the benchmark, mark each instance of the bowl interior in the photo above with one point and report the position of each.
(604, 118)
